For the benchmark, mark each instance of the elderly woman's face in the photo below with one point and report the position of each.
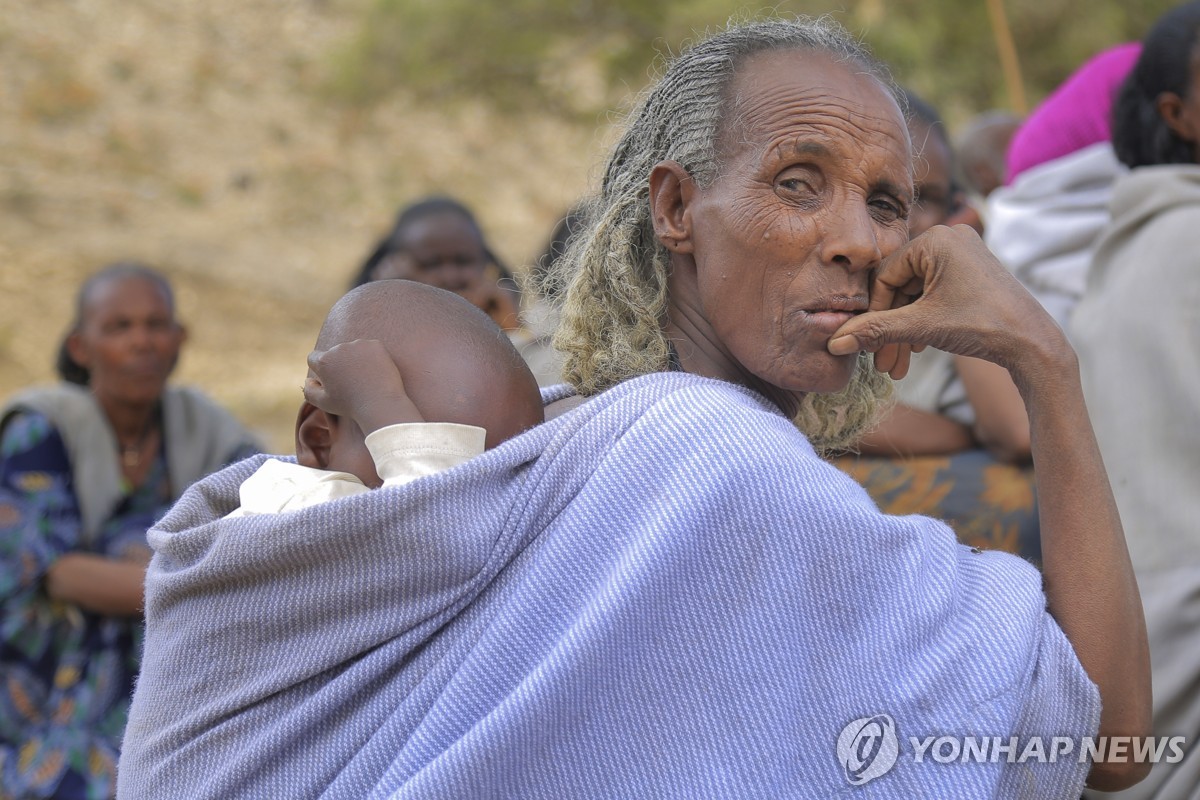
(815, 189)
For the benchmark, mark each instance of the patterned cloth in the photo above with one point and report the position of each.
(988, 504)
(662, 593)
(67, 674)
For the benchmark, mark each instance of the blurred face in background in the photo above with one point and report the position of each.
(1182, 113)
(442, 250)
(937, 200)
(128, 339)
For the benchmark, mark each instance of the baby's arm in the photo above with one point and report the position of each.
(359, 380)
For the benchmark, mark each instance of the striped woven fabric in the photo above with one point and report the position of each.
(663, 593)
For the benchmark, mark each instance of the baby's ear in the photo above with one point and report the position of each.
(314, 436)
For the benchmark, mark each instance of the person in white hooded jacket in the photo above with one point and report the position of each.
(1137, 331)
(1044, 222)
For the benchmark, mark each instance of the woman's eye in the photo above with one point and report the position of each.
(889, 210)
(801, 191)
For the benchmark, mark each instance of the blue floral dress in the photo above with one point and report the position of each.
(66, 675)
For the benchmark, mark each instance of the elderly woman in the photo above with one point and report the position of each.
(84, 471)
(1143, 290)
(663, 591)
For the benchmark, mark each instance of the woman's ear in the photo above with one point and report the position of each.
(671, 191)
(1170, 108)
(76, 349)
(314, 436)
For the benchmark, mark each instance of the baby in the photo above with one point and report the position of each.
(406, 380)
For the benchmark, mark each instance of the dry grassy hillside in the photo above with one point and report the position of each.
(194, 135)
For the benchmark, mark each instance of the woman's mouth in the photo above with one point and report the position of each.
(827, 318)
(828, 321)
(145, 371)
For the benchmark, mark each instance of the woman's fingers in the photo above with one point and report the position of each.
(899, 366)
(928, 294)
(886, 357)
(880, 332)
(894, 358)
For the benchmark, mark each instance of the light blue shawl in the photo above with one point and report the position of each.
(663, 593)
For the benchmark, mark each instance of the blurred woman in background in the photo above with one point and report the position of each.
(438, 241)
(1137, 330)
(86, 466)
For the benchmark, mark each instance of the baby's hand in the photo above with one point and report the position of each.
(359, 380)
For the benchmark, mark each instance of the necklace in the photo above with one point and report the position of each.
(131, 454)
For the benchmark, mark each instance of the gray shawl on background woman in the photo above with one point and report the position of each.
(200, 437)
(663, 593)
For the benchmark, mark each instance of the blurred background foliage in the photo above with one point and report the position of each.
(576, 58)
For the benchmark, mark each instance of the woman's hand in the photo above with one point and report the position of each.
(360, 380)
(945, 289)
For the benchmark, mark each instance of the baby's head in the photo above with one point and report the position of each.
(457, 366)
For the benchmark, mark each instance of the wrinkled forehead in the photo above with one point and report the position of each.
(775, 96)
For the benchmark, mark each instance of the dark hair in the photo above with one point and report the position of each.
(1140, 135)
(67, 368)
(917, 109)
(544, 278)
(422, 209)
(64, 365)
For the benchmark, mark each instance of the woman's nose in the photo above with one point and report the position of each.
(850, 239)
(148, 337)
(141, 337)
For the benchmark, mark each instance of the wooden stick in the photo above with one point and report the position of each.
(1009, 63)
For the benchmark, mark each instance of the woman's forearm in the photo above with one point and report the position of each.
(909, 432)
(1001, 424)
(1089, 582)
(98, 584)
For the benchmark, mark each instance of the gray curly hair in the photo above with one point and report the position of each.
(615, 270)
